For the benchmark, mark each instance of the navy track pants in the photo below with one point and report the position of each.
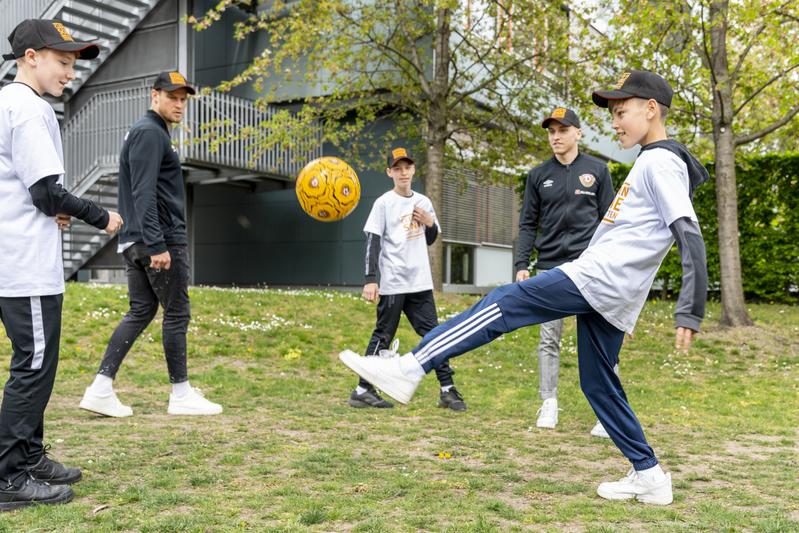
(549, 296)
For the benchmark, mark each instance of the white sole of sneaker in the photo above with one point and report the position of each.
(353, 362)
(190, 412)
(661, 496)
(542, 425)
(88, 405)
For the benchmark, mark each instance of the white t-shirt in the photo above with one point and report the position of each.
(616, 271)
(404, 264)
(30, 149)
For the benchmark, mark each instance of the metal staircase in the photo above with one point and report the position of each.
(106, 22)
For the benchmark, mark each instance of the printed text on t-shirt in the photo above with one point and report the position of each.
(615, 207)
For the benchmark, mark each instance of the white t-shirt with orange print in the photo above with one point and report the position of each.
(404, 264)
(616, 271)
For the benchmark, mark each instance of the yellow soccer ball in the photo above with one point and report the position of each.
(328, 189)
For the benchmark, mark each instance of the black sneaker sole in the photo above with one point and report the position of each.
(358, 404)
(451, 408)
(66, 497)
(62, 481)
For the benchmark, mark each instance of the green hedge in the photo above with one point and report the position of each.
(768, 222)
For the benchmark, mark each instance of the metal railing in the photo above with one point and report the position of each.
(209, 135)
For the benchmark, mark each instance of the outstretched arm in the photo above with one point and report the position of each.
(693, 294)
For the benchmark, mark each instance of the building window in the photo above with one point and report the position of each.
(460, 262)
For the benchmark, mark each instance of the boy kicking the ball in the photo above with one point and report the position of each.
(400, 227)
(606, 287)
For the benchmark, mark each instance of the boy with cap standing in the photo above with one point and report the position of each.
(35, 205)
(606, 287)
(564, 200)
(400, 227)
(154, 245)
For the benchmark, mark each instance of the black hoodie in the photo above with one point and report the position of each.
(697, 173)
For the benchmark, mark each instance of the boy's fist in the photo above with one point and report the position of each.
(114, 223)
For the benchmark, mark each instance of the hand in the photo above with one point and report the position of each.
(370, 292)
(114, 223)
(684, 339)
(522, 275)
(161, 261)
(63, 221)
(421, 216)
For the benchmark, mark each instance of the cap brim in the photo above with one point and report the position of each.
(563, 122)
(9, 57)
(601, 98)
(85, 50)
(175, 87)
(400, 159)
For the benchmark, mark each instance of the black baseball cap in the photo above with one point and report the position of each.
(47, 33)
(172, 80)
(640, 84)
(398, 153)
(567, 117)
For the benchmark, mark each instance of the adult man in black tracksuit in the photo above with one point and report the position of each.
(564, 200)
(154, 244)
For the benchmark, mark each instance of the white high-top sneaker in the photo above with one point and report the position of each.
(108, 405)
(548, 414)
(384, 373)
(636, 486)
(599, 431)
(193, 403)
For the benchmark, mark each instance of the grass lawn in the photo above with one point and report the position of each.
(288, 454)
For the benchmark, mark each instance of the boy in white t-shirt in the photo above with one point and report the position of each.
(35, 205)
(605, 288)
(400, 227)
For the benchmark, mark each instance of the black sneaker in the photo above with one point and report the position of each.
(31, 491)
(54, 472)
(452, 399)
(370, 398)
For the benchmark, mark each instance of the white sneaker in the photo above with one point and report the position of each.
(105, 405)
(384, 373)
(599, 431)
(193, 403)
(635, 486)
(548, 414)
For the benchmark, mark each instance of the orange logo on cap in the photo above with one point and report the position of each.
(398, 153)
(622, 80)
(559, 113)
(62, 31)
(177, 78)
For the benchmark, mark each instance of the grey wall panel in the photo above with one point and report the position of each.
(164, 12)
(144, 53)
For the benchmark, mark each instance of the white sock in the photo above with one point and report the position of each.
(445, 388)
(360, 390)
(102, 385)
(410, 366)
(653, 475)
(180, 390)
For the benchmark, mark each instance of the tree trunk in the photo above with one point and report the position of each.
(435, 135)
(433, 181)
(733, 306)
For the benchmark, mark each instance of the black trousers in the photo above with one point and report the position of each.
(420, 308)
(33, 324)
(147, 288)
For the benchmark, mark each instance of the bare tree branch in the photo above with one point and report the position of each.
(743, 139)
(763, 87)
(745, 53)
